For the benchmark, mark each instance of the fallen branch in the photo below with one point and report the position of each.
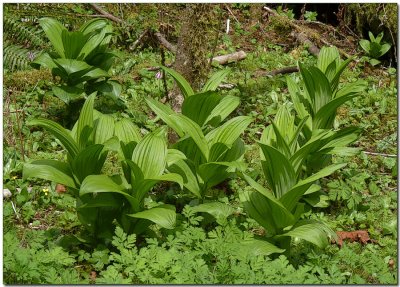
(105, 14)
(282, 71)
(300, 30)
(225, 59)
(160, 37)
(380, 154)
(138, 40)
(302, 38)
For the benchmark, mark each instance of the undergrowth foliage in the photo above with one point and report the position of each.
(212, 194)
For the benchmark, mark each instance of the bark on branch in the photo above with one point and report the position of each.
(282, 71)
(164, 42)
(234, 57)
(105, 14)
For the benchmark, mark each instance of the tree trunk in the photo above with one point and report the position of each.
(192, 48)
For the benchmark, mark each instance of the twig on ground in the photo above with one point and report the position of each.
(380, 154)
(105, 14)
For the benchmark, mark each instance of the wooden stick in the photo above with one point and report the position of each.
(301, 30)
(160, 37)
(380, 154)
(106, 14)
(234, 57)
(138, 40)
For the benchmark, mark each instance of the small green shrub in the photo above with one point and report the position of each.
(374, 48)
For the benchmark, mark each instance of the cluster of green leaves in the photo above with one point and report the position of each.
(100, 199)
(36, 263)
(374, 48)
(80, 58)
(294, 156)
(211, 149)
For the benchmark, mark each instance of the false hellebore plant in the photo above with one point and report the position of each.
(278, 207)
(319, 100)
(212, 151)
(80, 58)
(101, 199)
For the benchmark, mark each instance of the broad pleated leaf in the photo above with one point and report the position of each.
(277, 216)
(92, 44)
(190, 181)
(281, 142)
(174, 155)
(89, 161)
(257, 207)
(103, 128)
(326, 56)
(44, 60)
(93, 25)
(102, 200)
(216, 79)
(59, 132)
(326, 115)
(353, 88)
(194, 131)
(199, 106)
(224, 108)
(102, 183)
(183, 85)
(52, 170)
(72, 42)
(71, 66)
(339, 70)
(214, 173)
(322, 88)
(313, 145)
(163, 215)
(293, 195)
(163, 111)
(217, 209)
(229, 131)
(126, 131)
(284, 121)
(85, 125)
(293, 142)
(255, 247)
(142, 187)
(150, 154)
(316, 233)
(67, 94)
(343, 137)
(53, 30)
(295, 96)
(278, 170)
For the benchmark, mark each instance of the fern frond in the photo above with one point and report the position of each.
(20, 33)
(16, 57)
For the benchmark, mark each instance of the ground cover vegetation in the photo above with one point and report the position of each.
(276, 167)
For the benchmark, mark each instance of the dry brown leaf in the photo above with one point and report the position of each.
(361, 236)
(61, 188)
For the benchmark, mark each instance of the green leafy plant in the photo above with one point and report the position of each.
(278, 207)
(80, 59)
(144, 166)
(87, 146)
(310, 15)
(320, 99)
(374, 48)
(212, 150)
